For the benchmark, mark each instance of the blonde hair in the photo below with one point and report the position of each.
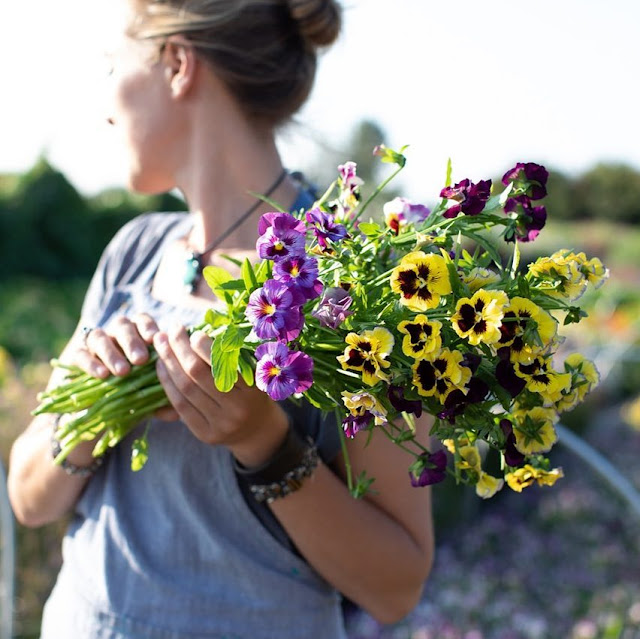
(264, 50)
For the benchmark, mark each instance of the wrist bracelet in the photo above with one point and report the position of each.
(284, 473)
(66, 465)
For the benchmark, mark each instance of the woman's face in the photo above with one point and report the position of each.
(140, 109)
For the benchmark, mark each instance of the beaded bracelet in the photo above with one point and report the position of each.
(66, 465)
(285, 472)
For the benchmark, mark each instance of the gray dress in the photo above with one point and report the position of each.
(178, 550)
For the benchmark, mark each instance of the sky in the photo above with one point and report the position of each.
(485, 83)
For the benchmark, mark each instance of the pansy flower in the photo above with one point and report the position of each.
(470, 198)
(584, 377)
(301, 272)
(401, 404)
(428, 469)
(534, 431)
(421, 337)
(488, 485)
(512, 456)
(478, 319)
(400, 211)
(559, 275)
(353, 424)
(527, 222)
(325, 227)
(363, 402)
(522, 477)
(367, 352)
(420, 280)
(350, 185)
(479, 277)
(281, 235)
(333, 308)
(540, 378)
(528, 178)
(526, 329)
(274, 311)
(281, 372)
(440, 376)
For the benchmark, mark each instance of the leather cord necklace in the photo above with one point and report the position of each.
(194, 265)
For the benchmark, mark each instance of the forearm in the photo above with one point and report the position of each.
(356, 546)
(40, 491)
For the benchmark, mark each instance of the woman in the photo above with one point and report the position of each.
(183, 548)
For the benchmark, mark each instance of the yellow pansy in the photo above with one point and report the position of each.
(487, 486)
(534, 431)
(526, 329)
(478, 318)
(469, 458)
(542, 379)
(422, 337)
(584, 377)
(363, 402)
(420, 280)
(367, 352)
(559, 275)
(525, 476)
(479, 277)
(438, 377)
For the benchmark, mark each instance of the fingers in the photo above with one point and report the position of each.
(113, 351)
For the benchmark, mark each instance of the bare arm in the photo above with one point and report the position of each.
(378, 551)
(40, 491)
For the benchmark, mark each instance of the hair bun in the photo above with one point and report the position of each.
(318, 20)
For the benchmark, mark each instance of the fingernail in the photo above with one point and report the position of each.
(100, 370)
(121, 368)
(138, 353)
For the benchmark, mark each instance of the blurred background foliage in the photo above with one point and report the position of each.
(51, 238)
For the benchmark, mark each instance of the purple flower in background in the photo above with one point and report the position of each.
(353, 424)
(324, 227)
(301, 273)
(333, 308)
(401, 211)
(274, 311)
(281, 372)
(350, 181)
(529, 220)
(429, 469)
(281, 235)
(530, 177)
(471, 198)
(398, 401)
(512, 455)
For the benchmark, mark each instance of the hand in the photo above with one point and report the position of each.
(113, 350)
(245, 419)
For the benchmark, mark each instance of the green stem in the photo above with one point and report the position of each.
(375, 194)
(345, 452)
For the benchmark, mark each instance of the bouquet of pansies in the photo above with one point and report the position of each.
(429, 311)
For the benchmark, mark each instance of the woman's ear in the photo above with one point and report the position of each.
(180, 63)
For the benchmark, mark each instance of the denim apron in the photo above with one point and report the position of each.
(174, 551)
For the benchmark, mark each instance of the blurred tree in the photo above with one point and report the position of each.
(609, 191)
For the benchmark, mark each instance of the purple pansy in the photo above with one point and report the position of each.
(324, 227)
(401, 211)
(274, 311)
(398, 401)
(300, 272)
(281, 372)
(281, 235)
(471, 198)
(333, 308)
(353, 424)
(512, 456)
(429, 469)
(529, 177)
(529, 220)
(507, 378)
(350, 181)
(456, 401)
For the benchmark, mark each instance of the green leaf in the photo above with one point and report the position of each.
(485, 244)
(215, 277)
(447, 180)
(232, 339)
(246, 368)
(370, 229)
(263, 272)
(140, 452)
(454, 279)
(233, 285)
(224, 365)
(249, 276)
(574, 315)
(215, 318)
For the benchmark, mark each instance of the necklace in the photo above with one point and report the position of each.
(193, 264)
